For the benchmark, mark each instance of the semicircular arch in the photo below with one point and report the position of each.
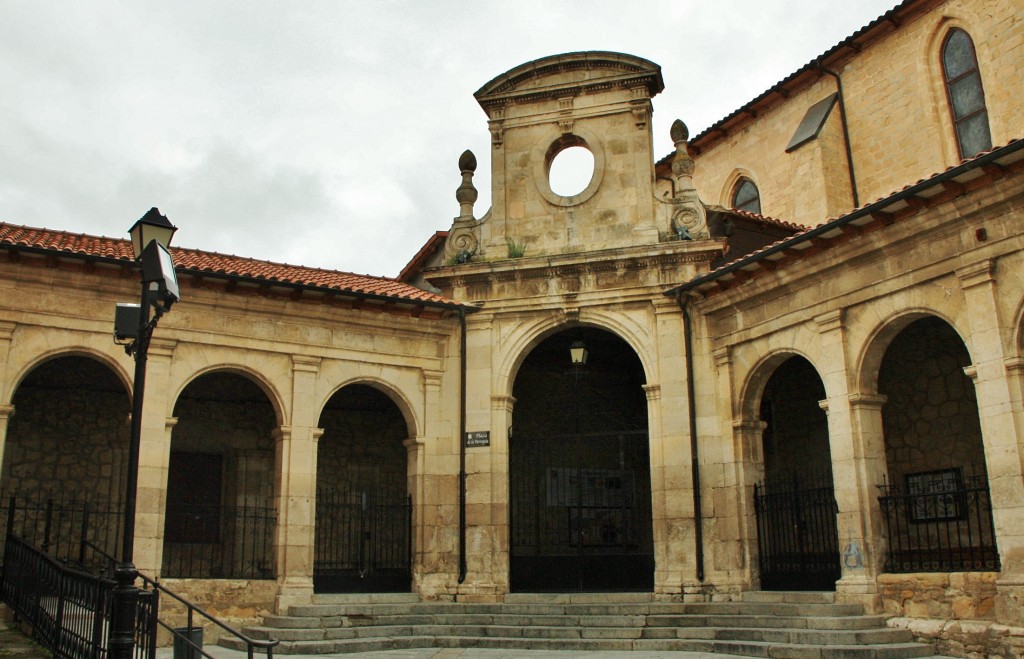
(394, 394)
(875, 347)
(70, 351)
(264, 384)
(757, 377)
(530, 337)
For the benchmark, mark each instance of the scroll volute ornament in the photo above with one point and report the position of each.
(689, 217)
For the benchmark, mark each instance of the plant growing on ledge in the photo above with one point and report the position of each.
(516, 249)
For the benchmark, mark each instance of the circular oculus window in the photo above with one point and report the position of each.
(569, 169)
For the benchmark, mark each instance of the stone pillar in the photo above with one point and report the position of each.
(998, 408)
(295, 488)
(860, 523)
(414, 459)
(486, 472)
(6, 411)
(748, 442)
(855, 462)
(154, 455)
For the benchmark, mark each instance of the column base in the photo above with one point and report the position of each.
(861, 589)
(1009, 598)
(293, 591)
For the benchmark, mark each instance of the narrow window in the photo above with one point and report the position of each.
(745, 197)
(966, 96)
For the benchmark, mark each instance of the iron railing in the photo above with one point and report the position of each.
(798, 547)
(939, 522)
(219, 542)
(69, 610)
(64, 526)
(363, 543)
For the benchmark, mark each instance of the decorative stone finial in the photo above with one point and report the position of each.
(462, 240)
(679, 132)
(689, 217)
(466, 194)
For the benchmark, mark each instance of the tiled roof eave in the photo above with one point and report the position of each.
(80, 254)
(752, 262)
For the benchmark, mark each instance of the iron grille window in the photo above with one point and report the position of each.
(966, 95)
(745, 197)
(939, 521)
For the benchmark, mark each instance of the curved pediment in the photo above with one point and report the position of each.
(583, 71)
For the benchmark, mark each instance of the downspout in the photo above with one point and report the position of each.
(698, 518)
(846, 130)
(462, 445)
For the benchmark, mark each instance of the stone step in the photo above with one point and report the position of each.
(780, 625)
(776, 650)
(795, 596)
(366, 598)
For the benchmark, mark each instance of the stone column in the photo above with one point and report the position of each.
(748, 442)
(998, 407)
(295, 488)
(154, 455)
(486, 472)
(6, 411)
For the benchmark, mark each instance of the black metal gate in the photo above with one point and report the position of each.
(363, 545)
(796, 536)
(581, 513)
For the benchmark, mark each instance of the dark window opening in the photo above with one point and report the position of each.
(745, 197)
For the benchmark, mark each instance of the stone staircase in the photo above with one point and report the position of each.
(762, 624)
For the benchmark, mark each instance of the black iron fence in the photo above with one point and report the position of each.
(219, 542)
(798, 546)
(938, 521)
(69, 610)
(64, 526)
(363, 542)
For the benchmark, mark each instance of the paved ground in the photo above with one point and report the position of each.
(452, 653)
(16, 645)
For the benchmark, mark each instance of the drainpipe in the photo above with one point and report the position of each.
(846, 129)
(698, 518)
(462, 445)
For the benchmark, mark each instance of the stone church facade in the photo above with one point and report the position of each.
(831, 400)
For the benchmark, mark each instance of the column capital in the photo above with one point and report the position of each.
(281, 433)
(162, 347)
(722, 356)
(749, 425)
(170, 422)
(829, 321)
(432, 378)
(306, 364)
(7, 330)
(868, 401)
(503, 402)
(653, 392)
(6, 411)
(976, 274)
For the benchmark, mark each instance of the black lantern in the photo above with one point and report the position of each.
(151, 226)
(578, 353)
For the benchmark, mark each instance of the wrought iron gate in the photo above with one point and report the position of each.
(363, 545)
(796, 536)
(581, 513)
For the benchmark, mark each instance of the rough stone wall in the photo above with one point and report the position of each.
(361, 448)
(69, 433)
(931, 413)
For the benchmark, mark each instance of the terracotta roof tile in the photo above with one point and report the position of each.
(220, 264)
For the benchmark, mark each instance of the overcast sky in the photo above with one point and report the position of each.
(327, 132)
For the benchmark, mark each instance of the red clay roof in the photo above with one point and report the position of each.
(196, 261)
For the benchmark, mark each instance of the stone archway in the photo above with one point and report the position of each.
(798, 546)
(936, 502)
(579, 469)
(363, 511)
(67, 450)
(220, 516)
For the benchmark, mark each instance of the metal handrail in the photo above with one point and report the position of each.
(251, 643)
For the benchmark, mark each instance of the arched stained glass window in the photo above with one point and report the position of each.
(966, 96)
(745, 196)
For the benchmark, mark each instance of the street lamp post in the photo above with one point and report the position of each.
(578, 356)
(150, 235)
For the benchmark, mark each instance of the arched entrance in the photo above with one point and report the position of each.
(798, 546)
(579, 469)
(220, 481)
(936, 503)
(363, 511)
(67, 453)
